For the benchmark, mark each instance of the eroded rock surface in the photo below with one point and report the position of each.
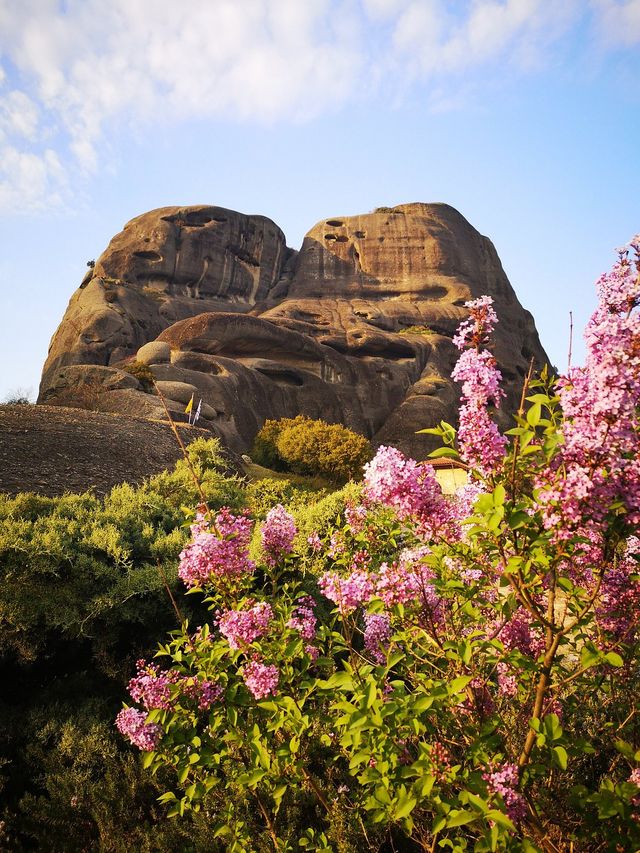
(355, 328)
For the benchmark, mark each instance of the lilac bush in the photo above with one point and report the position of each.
(463, 673)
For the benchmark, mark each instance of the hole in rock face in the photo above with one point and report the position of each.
(341, 238)
(360, 234)
(335, 223)
(148, 256)
(280, 376)
(330, 237)
(198, 218)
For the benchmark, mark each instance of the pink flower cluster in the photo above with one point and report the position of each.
(377, 632)
(278, 532)
(599, 461)
(518, 633)
(151, 686)
(618, 607)
(261, 679)
(217, 555)
(504, 782)
(304, 618)
(410, 488)
(133, 725)
(479, 441)
(349, 592)
(242, 627)
(355, 516)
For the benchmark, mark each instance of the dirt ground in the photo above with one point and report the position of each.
(52, 450)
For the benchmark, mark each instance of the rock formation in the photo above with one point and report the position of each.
(354, 328)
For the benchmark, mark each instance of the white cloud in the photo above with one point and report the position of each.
(620, 21)
(77, 68)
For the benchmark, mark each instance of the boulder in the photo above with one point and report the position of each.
(155, 352)
(356, 328)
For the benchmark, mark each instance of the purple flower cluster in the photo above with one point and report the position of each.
(261, 679)
(133, 725)
(479, 441)
(504, 782)
(304, 618)
(222, 554)
(598, 462)
(278, 532)
(151, 686)
(377, 632)
(518, 633)
(410, 488)
(242, 627)
(349, 592)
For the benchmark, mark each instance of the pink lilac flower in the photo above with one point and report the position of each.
(410, 581)
(133, 725)
(315, 541)
(479, 441)
(598, 462)
(476, 330)
(349, 592)
(205, 693)
(634, 778)
(504, 782)
(278, 532)
(209, 693)
(410, 488)
(151, 686)
(336, 546)
(618, 607)
(242, 627)
(441, 758)
(261, 679)
(304, 618)
(518, 633)
(218, 555)
(507, 682)
(377, 633)
(355, 516)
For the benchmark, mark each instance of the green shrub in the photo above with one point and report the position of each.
(313, 447)
(142, 373)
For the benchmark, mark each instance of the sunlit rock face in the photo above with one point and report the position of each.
(355, 328)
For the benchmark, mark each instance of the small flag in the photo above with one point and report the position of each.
(197, 414)
(189, 406)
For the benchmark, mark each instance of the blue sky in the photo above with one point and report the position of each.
(522, 114)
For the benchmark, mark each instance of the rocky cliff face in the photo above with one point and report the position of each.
(355, 328)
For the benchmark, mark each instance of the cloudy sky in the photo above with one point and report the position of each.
(523, 114)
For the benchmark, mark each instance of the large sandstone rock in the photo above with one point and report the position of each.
(355, 328)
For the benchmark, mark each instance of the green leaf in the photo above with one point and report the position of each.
(589, 656)
(534, 413)
(406, 804)
(460, 817)
(560, 754)
(449, 452)
(614, 659)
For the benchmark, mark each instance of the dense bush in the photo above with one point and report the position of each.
(83, 593)
(308, 446)
(475, 685)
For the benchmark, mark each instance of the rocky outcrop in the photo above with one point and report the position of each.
(355, 328)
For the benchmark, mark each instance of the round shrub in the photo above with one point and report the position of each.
(307, 446)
